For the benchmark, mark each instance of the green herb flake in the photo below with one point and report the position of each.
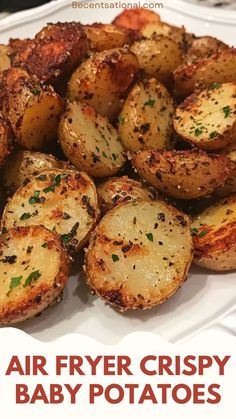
(41, 177)
(25, 216)
(35, 92)
(35, 198)
(194, 231)
(149, 236)
(66, 237)
(104, 154)
(4, 230)
(49, 189)
(203, 233)
(15, 282)
(198, 131)
(120, 119)
(44, 245)
(115, 258)
(150, 102)
(215, 85)
(213, 134)
(32, 277)
(226, 110)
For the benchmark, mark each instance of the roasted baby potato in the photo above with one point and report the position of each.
(208, 119)
(103, 80)
(158, 57)
(135, 18)
(119, 190)
(89, 141)
(185, 174)
(54, 53)
(28, 285)
(33, 110)
(104, 37)
(204, 72)
(214, 236)
(146, 118)
(23, 164)
(229, 187)
(5, 60)
(139, 255)
(6, 139)
(203, 47)
(64, 201)
(175, 33)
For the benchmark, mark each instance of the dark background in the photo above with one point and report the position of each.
(14, 5)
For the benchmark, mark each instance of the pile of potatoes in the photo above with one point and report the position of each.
(120, 139)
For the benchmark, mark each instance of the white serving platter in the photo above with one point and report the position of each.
(206, 297)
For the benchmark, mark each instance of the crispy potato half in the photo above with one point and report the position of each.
(218, 68)
(203, 47)
(175, 33)
(135, 18)
(23, 164)
(6, 139)
(208, 119)
(28, 285)
(139, 255)
(104, 37)
(90, 142)
(119, 190)
(187, 174)
(103, 80)
(158, 57)
(146, 118)
(214, 236)
(64, 201)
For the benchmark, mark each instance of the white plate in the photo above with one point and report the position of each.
(206, 296)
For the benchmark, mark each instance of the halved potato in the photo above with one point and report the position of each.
(135, 18)
(64, 201)
(204, 72)
(175, 33)
(119, 190)
(214, 236)
(146, 118)
(28, 285)
(203, 47)
(23, 164)
(158, 57)
(183, 174)
(208, 119)
(103, 80)
(89, 141)
(103, 36)
(229, 187)
(5, 61)
(6, 139)
(139, 255)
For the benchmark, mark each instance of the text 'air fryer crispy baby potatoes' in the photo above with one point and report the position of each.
(214, 236)
(28, 285)
(119, 190)
(146, 118)
(64, 201)
(90, 142)
(188, 174)
(208, 119)
(103, 79)
(139, 255)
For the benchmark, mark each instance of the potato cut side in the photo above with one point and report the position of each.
(5, 61)
(90, 142)
(183, 174)
(103, 80)
(63, 201)
(139, 255)
(158, 57)
(218, 68)
(229, 187)
(6, 139)
(175, 33)
(104, 37)
(214, 236)
(146, 118)
(135, 18)
(203, 47)
(119, 190)
(28, 285)
(23, 164)
(208, 119)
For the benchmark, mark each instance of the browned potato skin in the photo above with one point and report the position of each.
(204, 47)
(135, 18)
(6, 139)
(219, 68)
(104, 37)
(5, 60)
(30, 307)
(215, 243)
(177, 34)
(103, 80)
(182, 174)
(23, 164)
(119, 190)
(54, 53)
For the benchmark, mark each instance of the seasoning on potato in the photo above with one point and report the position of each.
(64, 201)
(146, 118)
(208, 119)
(187, 174)
(139, 255)
(135, 18)
(28, 285)
(90, 142)
(6, 139)
(214, 236)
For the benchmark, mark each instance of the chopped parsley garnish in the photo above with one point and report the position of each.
(150, 102)
(25, 216)
(213, 134)
(4, 230)
(35, 198)
(115, 258)
(149, 236)
(15, 282)
(56, 182)
(44, 245)
(41, 177)
(198, 131)
(215, 85)
(195, 232)
(35, 91)
(32, 277)
(226, 110)
(203, 233)
(120, 119)
(69, 236)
